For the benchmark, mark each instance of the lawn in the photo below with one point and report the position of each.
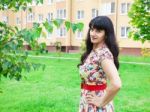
(57, 89)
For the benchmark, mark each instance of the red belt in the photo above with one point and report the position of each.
(93, 87)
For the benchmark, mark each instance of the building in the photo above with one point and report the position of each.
(77, 11)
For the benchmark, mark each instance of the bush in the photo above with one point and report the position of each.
(145, 52)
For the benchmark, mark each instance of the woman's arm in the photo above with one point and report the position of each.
(115, 81)
(112, 89)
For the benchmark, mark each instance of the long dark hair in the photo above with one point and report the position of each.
(102, 23)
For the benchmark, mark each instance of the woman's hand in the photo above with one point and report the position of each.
(92, 98)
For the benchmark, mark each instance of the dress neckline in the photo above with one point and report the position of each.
(99, 48)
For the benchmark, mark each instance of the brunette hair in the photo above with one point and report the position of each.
(102, 23)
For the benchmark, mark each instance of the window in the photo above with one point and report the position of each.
(128, 6)
(79, 34)
(50, 16)
(18, 20)
(107, 8)
(80, 14)
(94, 13)
(124, 32)
(61, 13)
(61, 32)
(30, 17)
(50, 1)
(40, 18)
(125, 7)
(112, 7)
(5, 19)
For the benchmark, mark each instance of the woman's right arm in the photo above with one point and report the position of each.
(115, 81)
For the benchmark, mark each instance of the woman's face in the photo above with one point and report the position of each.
(97, 36)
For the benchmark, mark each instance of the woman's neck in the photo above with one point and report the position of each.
(99, 45)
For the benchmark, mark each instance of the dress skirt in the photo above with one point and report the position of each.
(84, 107)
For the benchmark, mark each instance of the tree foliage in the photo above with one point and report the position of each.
(13, 57)
(140, 20)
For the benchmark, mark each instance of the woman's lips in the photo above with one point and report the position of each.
(93, 38)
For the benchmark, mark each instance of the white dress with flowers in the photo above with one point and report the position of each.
(92, 72)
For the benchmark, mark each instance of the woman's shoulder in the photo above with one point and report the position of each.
(104, 53)
(102, 50)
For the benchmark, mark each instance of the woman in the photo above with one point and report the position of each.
(99, 65)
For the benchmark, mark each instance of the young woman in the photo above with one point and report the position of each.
(99, 66)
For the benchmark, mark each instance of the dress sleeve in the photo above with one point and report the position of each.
(104, 54)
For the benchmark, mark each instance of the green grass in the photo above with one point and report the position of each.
(134, 59)
(57, 89)
(77, 55)
(56, 54)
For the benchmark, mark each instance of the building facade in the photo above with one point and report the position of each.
(77, 11)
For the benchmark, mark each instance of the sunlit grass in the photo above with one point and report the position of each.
(57, 89)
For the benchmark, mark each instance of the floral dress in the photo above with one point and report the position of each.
(92, 72)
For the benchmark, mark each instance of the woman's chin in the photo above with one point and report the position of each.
(94, 42)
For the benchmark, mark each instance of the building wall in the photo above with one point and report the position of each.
(86, 6)
(72, 7)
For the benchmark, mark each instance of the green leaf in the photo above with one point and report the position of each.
(74, 27)
(37, 32)
(16, 28)
(48, 26)
(139, 15)
(26, 35)
(58, 22)
(80, 26)
(68, 25)
(143, 40)
(12, 40)
(42, 45)
(5, 65)
(36, 25)
(30, 9)
(41, 1)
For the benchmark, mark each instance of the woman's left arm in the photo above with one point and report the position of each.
(112, 89)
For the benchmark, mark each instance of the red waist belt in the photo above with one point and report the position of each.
(93, 87)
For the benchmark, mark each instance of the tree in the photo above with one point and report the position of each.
(13, 57)
(140, 20)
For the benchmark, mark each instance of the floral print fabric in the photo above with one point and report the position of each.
(92, 72)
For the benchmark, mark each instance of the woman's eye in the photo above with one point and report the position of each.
(98, 31)
(92, 29)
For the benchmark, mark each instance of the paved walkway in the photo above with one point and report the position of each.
(67, 58)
